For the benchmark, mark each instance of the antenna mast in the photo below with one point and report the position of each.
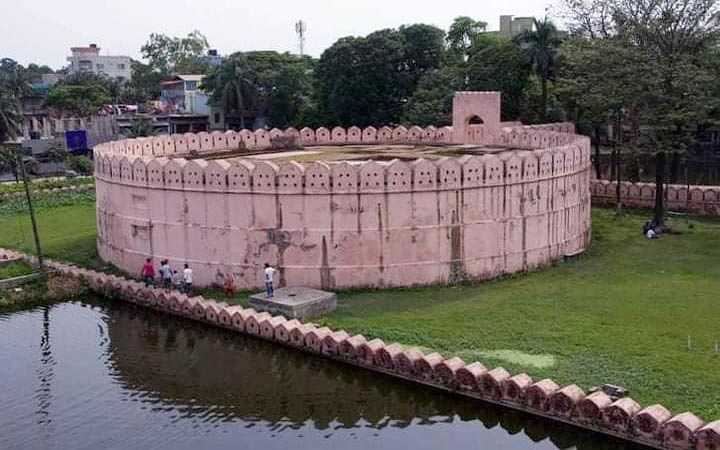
(300, 28)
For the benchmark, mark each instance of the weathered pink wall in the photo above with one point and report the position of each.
(704, 200)
(344, 224)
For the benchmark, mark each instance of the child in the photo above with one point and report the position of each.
(187, 279)
(148, 272)
(166, 273)
(269, 272)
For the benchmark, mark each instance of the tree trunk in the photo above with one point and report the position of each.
(674, 167)
(659, 188)
(618, 200)
(598, 171)
(543, 84)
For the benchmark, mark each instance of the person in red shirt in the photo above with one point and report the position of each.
(148, 272)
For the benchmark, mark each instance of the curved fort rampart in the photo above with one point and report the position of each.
(517, 199)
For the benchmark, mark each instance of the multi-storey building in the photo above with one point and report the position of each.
(89, 60)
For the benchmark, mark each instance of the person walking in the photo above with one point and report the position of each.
(148, 272)
(187, 279)
(269, 273)
(166, 274)
(177, 279)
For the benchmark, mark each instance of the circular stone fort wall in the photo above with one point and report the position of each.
(521, 204)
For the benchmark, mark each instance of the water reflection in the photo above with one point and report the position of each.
(118, 376)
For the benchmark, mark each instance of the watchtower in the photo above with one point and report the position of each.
(476, 117)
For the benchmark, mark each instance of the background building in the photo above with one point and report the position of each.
(512, 26)
(89, 60)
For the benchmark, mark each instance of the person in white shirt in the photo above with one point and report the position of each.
(187, 279)
(269, 272)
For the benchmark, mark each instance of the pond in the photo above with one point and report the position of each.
(102, 375)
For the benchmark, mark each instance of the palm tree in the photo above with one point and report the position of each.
(232, 88)
(540, 45)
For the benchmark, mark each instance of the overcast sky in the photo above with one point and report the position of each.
(42, 31)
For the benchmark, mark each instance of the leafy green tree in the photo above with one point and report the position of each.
(462, 35)
(359, 80)
(81, 100)
(232, 87)
(370, 80)
(266, 84)
(540, 46)
(141, 127)
(13, 85)
(8, 161)
(497, 64)
(431, 103)
(176, 55)
(144, 84)
(423, 51)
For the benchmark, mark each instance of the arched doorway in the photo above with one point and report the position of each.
(475, 129)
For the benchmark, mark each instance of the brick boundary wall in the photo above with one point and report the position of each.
(346, 224)
(624, 418)
(703, 200)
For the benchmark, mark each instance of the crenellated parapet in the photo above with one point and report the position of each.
(249, 175)
(701, 200)
(518, 198)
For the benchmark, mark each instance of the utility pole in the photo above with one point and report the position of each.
(21, 167)
(300, 28)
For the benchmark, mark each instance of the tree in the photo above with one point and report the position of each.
(232, 88)
(497, 64)
(370, 80)
(141, 127)
(431, 103)
(650, 65)
(423, 51)
(266, 84)
(179, 55)
(8, 161)
(603, 81)
(13, 85)
(462, 34)
(359, 80)
(144, 84)
(80, 100)
(540, 46)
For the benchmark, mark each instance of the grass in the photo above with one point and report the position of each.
(67, 231)
(15, 269)
(638, 313)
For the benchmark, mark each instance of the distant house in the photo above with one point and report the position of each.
(89, 60)
(182, 95)
(512, 26)
(187, 106)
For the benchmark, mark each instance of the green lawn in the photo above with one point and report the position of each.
(623, 313)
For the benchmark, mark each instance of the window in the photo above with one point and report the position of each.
(121, 66)
(100, 66)
(217, 117)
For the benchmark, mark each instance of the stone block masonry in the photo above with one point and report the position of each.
(654, 425)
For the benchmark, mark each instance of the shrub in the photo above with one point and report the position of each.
(80, 164)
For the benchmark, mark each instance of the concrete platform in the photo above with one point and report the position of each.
(295, 302)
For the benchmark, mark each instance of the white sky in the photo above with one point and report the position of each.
(42, 31)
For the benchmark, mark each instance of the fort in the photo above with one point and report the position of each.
(353, 207)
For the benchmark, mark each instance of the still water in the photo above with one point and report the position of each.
(101, 375)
